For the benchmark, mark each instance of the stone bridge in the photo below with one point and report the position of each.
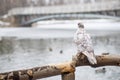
(22, 15)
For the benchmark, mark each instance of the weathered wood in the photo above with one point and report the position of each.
(38, 72)
(102, 60)
(57, 69)
(68, 76)
(31, 74)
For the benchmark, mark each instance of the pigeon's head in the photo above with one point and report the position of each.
(80, 25)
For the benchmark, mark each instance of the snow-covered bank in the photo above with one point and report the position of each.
(96, 24)
(4, 24)
(56, 29)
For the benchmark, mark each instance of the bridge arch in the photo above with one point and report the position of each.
(26, 14)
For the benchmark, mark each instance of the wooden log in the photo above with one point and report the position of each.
(38, 72)
(102, 60)
(57, 69)
(68, 76)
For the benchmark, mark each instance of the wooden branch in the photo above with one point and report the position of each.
(68, 76)
(102, 60)
(57, 69)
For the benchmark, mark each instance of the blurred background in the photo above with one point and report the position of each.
(40, 32)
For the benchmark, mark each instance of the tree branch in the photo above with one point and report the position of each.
(57, 69)
(102, 60)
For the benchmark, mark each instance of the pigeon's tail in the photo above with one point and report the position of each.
(91, 57)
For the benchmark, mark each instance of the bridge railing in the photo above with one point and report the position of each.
(73, 8)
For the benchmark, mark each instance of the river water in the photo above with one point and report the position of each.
(22, 48)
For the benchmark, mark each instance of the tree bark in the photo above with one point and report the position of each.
(102, 60)
(62, 68)
(68, 76)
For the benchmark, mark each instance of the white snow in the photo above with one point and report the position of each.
(96, 24)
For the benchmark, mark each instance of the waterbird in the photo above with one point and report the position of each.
(102, 70)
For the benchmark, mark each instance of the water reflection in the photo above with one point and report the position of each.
(108, 43)
(20, 53)
(7, 45)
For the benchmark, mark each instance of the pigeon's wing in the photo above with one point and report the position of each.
(89, 51)
(88, 43)
(78, 39)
